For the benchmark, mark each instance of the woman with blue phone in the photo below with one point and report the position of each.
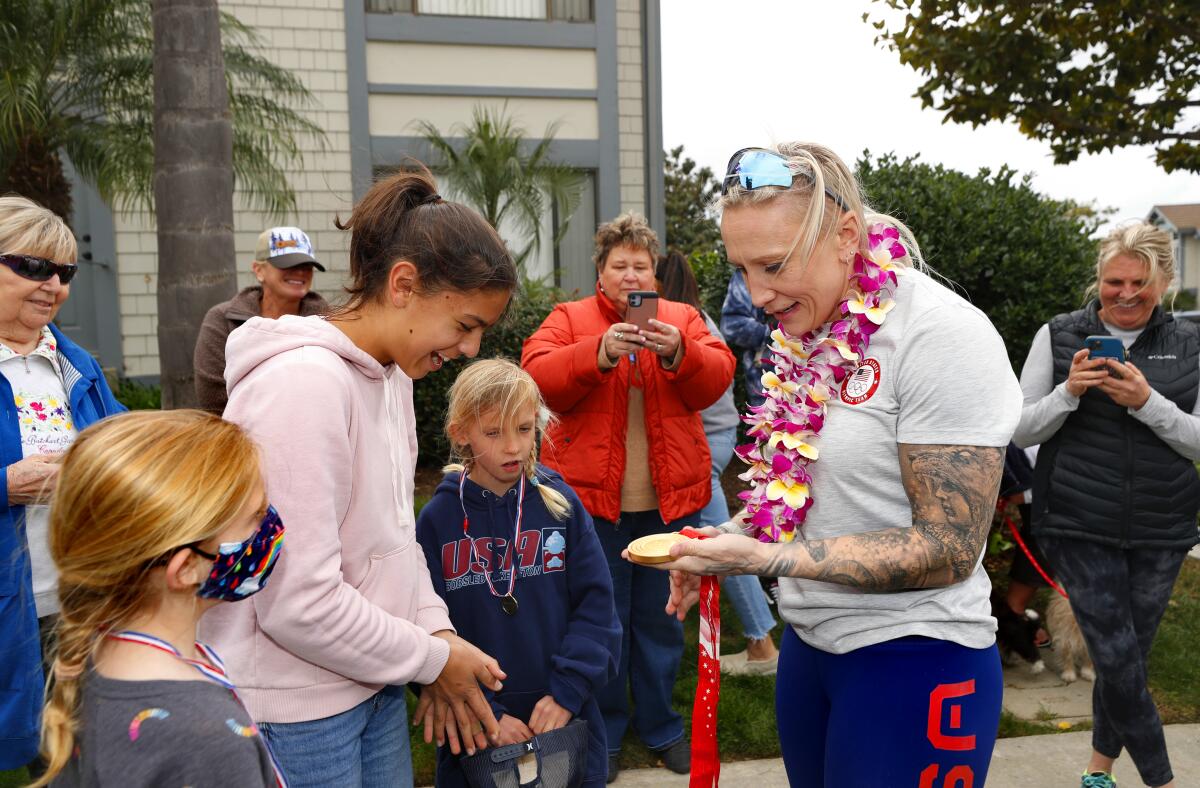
(1111, 395)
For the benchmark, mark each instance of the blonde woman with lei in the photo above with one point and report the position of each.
(158, 517)
(875, 463)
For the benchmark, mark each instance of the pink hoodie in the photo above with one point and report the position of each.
(350, 606)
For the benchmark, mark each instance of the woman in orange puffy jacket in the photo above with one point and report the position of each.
(631, 443)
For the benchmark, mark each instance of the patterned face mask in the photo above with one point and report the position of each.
(242, 568)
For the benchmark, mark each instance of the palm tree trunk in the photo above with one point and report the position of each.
(36, 172)
(193, 184)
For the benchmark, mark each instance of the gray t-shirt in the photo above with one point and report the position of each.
(936, 372)
(165, 733)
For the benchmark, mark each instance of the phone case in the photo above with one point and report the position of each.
(643, 306)
(1105, 347)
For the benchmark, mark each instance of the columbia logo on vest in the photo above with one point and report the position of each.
(1163, 357)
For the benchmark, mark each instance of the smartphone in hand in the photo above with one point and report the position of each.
(1106, 347)
(643, 307)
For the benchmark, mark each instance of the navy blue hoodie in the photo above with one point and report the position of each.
(564, 639)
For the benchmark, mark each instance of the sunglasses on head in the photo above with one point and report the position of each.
(39, 269)
(754, 168)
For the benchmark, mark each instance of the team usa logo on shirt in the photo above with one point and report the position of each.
(536, 552)
(860, 385)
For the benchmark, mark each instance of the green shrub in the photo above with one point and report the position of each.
(1018, 255)
(530, 305)
(138, 396)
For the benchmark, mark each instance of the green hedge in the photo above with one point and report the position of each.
(530, 305)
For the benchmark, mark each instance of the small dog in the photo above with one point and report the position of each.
(1068, 640)
(1016, 634)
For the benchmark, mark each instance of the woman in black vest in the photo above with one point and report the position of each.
(1115, 490)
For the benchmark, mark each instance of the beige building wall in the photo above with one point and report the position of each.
(632, 121)
(308, 38)
(1189, 253)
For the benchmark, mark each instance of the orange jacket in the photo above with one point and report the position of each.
(587, 445)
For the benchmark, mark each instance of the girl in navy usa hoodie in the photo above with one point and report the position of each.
(551, 625)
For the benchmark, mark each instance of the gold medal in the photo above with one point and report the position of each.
(654, 549)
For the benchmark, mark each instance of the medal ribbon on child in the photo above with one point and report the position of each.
(213, 670)
(706, 759)
(807, 372)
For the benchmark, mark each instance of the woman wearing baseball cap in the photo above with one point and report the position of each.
(283, 264)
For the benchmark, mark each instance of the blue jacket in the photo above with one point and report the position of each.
(564, 639)
(745, 329)
(21, 679)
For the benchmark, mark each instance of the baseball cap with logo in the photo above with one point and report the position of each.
(285, 247)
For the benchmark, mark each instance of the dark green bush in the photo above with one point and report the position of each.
(138, 396)
(1018, 255)
(530, 305)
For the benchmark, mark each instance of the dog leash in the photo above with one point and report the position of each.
(1001, 506)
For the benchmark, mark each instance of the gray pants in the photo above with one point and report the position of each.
(1119, 597)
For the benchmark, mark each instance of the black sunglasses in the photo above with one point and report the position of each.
(39, 269)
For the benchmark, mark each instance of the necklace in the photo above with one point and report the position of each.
(808, 369)
(508, 602)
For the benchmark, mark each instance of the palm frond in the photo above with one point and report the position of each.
(487, 168)
(78, 76)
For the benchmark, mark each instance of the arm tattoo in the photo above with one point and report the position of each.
(952, 490)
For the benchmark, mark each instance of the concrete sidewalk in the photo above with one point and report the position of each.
(1050, 761)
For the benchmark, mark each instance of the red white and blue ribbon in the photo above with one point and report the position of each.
(213, 669)
(706, 757)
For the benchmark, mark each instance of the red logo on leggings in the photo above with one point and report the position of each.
(939, 710)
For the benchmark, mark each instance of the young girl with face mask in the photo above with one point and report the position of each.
(323, 656)
(158, 517)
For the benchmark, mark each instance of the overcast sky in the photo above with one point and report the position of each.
(753, 72)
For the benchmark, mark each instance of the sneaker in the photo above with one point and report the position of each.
(771, 589)
(614, 766)
(677, 757)
(740, 664)
(1097, 780)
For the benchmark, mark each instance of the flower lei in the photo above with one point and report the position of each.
(807, 372)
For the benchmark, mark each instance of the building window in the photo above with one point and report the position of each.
(554, 10)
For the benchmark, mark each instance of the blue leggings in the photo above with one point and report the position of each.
(912, 711)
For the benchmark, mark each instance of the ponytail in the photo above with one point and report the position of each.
(403, 217)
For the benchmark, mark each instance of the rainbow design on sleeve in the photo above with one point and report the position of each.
(145, 714)
(242, 730)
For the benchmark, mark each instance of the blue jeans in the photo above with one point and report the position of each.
(742, 591)
(651, 642)
(364, 747)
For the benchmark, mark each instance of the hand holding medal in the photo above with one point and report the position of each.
(706, 761)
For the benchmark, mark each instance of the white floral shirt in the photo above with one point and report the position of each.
(44, 413)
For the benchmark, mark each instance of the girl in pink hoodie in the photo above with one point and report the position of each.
(321, 657)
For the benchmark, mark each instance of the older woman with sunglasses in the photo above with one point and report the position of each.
(53, 389)
(874, 462)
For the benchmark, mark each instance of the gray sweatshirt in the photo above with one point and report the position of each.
(160, 733)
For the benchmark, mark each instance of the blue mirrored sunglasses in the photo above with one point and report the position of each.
(754, 168)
